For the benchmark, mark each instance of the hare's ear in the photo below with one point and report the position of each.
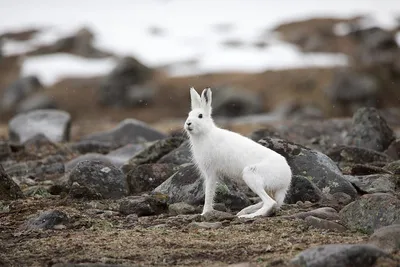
(195, 98)
(206, 99)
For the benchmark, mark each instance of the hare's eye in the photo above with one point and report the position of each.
(200, 116)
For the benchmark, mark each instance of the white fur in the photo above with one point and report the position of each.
(219, 152)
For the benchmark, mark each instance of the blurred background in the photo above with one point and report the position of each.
(104, 61)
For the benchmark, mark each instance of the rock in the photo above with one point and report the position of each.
(302, 189)
(47, 220)
(264, 132)
(350, 87)
(206, 225)
(370, 130)
(375, 183)
(19, 90)
(393, 150)
(129, 131)
(387, 238)
(5, 150)
(393, 167)
(39, 146)
(371, 212)
(229, 102)
(337, 255)
(147, 177)
(324, 224)
(181, 208)
(363, 169)
(9, 190)
(119, 86)
(325, 213)
(54, 124)
(46, 169)
(91, 146)
(178, 156)
(121, 155)
(153, 152)
(186, 185)
(144, 205)
(216, 215)
(97, 180)
(315, 166)
(87, 157)
(352, 154)
(36, 101)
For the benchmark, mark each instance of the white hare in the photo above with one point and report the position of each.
(218, 152)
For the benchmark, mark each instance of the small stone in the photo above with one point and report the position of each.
(326, 213)
(181, 208)
(144, 205)
(324, 224)
(206, 225)
(216, 215)
(47, 220)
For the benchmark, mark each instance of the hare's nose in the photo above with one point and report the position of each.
(189, 123)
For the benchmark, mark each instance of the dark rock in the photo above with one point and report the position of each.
(393, 167)
(118, 87)
(350, 87)
(47, 220)
(302, 189)
(181, 208)
(337, 200)
(153, 152)
(36, 101)
(91, 146)
(352, 154)
(186, 185)
(178, 156)
(315, 166)
(324, 224)
(375, 183)
(339, 255)
(228, 102)
(129, 131)
(370, 130)
(97, 180)
(8, 188)
(54, 124)
(87, 157)
(147, 177)
(363, 169)
(5, 150)
(371, 212)
(144, 205)
(19, 90)
(39, 146)
(265, 132)
(387, 238)
(393, 150)
(325, 213)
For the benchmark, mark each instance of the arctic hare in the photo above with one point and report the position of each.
(219, 152)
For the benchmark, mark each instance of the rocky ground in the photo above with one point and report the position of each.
(83, 184)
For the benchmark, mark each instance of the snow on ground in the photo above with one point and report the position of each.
(189, 33)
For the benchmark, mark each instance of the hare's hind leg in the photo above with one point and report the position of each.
(255, 182)
(250, 209)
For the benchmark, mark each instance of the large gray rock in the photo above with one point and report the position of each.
(153, 152)
(54, 124)
(129, 131)
(301, 189)
(375, 183)
(387, 238)
(371, 212)
(179, 156)
(18, 91)
(186, 185)
(8, 188)
(124, 83)
(313, 165)
(95, 179)
(370, 130)
(339, 255)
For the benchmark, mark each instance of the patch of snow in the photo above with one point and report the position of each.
(50, 68)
